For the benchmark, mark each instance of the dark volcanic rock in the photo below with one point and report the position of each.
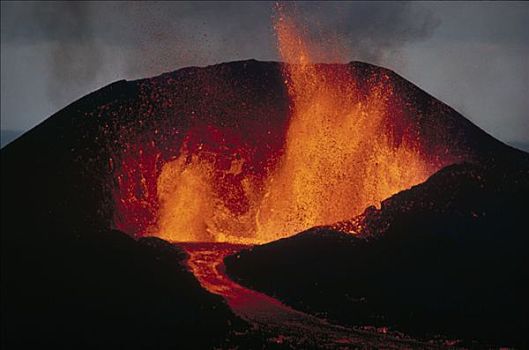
(68, 280)
(6, 136)
(446, 257)
(106, 290)
(64, 171)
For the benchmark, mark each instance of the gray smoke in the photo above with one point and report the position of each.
(367, 31)
(84, 39)
(471, 55)
(66, 29)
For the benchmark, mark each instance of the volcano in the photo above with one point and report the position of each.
(251, 152)
(446, 257)
(225, 132)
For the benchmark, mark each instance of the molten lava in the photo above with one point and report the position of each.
(347, 145)
(340, 154)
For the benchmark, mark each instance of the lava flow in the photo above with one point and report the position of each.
(276, 322)
(346, 142)
(206, 261)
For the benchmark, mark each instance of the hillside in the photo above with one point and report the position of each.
(446, 257)
(76, 185)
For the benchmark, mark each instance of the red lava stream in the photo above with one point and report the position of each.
(280, 323)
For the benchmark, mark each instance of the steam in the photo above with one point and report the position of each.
(87, 43)
(66, 28)
(369, 32)
(75, 62)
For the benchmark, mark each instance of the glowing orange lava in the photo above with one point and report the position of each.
(345, 149)
(250, 152)
(341, 155)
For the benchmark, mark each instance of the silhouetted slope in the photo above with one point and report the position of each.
(9, 135)
(107, 291)
(67, 277)
(448, 256)
(524, 146)
(67, 164)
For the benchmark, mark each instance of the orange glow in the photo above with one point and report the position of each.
(344, 150)
(349, 140)
(340, 155)
(206, 261)
(200, 201)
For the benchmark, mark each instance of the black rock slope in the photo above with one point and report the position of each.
(106, 290)
(67, 279)
(62, 172)
(445, 257)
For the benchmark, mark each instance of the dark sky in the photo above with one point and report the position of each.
(472, 55)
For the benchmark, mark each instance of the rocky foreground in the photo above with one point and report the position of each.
(70, 281)
(447, 257)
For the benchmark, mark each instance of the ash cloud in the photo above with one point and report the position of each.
(66, 30)
(367, 31)
(140, 39)
(55, 52)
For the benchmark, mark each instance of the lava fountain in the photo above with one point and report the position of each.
(347, 144)
(341, 155)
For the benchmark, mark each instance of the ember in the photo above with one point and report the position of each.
(347, 144)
